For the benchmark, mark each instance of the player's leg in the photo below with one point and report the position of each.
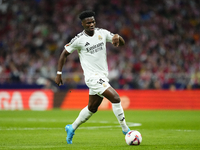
(84, 115)
(94, 102)
(114, 98)
(87, 112)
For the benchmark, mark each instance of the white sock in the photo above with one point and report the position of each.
(119, 113)
(83, 116)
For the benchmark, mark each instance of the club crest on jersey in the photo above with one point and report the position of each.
(100, 38)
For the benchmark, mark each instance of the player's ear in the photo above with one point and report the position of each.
(82, 23)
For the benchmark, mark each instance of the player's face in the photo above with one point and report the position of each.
(89, 25)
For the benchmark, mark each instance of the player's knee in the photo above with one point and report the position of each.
(116, 99)
(93, 109)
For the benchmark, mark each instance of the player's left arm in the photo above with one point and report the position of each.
(117, 40)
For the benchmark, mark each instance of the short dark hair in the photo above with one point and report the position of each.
(86, 14)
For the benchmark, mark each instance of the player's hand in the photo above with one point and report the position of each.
(115, 40)
(58, 80)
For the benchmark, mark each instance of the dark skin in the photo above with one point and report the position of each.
(110, 93)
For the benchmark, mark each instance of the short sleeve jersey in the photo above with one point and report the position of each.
(91, 51)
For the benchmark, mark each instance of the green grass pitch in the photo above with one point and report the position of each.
(176, 130)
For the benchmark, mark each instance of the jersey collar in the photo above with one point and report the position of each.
(87, 34)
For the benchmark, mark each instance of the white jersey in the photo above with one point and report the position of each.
(92, 51)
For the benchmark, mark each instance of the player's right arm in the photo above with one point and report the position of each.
(61, 61)
(69, 48)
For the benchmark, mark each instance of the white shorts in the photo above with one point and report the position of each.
(97, 85)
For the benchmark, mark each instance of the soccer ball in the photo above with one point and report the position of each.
(133, 137)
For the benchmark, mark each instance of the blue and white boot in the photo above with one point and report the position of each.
(126, 132)
(70, 133)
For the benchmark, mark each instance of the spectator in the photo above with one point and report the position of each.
(162, 41)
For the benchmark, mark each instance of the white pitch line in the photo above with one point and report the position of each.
(32, 147)
(186, 130)
(88, 128)
(130, 124)
(55, 120)
(30, 128)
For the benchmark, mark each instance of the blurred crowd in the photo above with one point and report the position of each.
(162, 49)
